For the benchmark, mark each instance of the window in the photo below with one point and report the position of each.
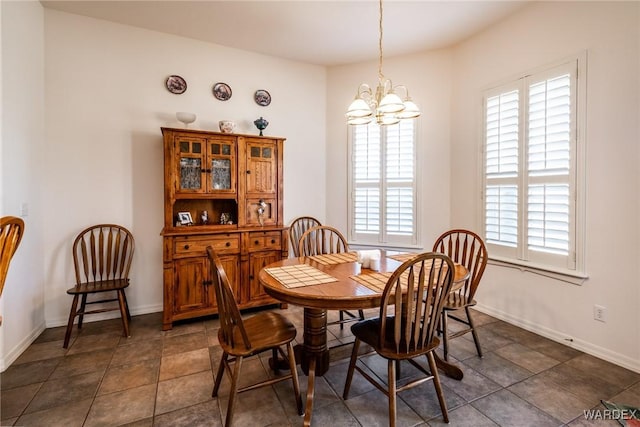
(382, 206)
(532, 212)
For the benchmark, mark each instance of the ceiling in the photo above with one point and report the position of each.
(319, 32)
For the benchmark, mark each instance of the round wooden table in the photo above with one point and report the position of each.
(344, 293)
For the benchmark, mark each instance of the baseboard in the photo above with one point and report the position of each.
(15, 352)
(147, 309)
(562, 338)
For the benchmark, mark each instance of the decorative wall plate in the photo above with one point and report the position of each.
(262, 97)
(222, 91)
(176, 84)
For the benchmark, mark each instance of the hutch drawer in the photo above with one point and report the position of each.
(197, 246)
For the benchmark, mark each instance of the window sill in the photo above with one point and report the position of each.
(399, 248)
(563, 275)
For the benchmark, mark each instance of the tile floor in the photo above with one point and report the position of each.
(160, 378)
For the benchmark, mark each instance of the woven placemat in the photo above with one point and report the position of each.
(378, 281)
(374, 281)
(340, 258)
(296, 276)
(403, 257)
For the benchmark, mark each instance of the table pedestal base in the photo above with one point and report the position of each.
(315, 354)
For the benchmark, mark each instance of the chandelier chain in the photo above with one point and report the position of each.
(380, 75)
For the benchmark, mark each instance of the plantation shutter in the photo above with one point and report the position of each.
(400, 179)
(367, 178)
(549, 165)
(530, 168)
(501, 154)
(383, 184)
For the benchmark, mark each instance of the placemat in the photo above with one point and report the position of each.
(378, 281)
(374, 281)
(340, 258)
(296, 276)
(402, 257)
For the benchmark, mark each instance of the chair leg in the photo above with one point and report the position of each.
(445, 338)
(391, 367)
(83, 306)
(341, 319)
(352, 365)
(126, 305)
(216, 385)
(72, 316)
(473, 332)
(123, 312)
(274, 357)
(361, 314)
(233, 392)
(438, 386)
(294, 376)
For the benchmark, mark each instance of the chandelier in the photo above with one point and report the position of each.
(386, 106)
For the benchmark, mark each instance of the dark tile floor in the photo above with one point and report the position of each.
(160, 378)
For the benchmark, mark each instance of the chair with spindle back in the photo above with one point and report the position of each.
(410, 311)
(11, 231)
(241, 338)
(102, 256)
(296, 230)
(468, 249)
(323, 240)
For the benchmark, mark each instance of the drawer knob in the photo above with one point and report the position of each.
(256, 242)
(186, 246)
(273, 241)
(228, 244)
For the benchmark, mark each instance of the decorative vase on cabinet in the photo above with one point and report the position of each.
(228, 176)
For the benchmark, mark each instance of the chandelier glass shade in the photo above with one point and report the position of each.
(385, 105)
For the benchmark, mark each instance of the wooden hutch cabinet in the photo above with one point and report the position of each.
(237, 180)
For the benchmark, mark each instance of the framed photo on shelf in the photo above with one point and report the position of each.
(185, 218)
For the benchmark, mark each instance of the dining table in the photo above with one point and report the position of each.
(335, 282)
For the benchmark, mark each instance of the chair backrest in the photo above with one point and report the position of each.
(228, 312)
(466, 248)
(11, 231)
(412, 303)
(297, 229)
(103, 252)
(322, 239)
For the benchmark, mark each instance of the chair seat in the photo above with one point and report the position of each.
(100, 286)
(457, 300)
(264, 330)
(368, 331)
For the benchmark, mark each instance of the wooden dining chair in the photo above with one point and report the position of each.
(241, 338)
(468, 249)
(323, 240)
(102, 256)
(11, 231)
(296, 230)
(410, 309)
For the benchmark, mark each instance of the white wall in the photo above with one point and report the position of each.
(540, 34)
(105, 104)
(21, 148)
(428, 78)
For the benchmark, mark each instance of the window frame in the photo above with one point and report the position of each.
(382, 239)
(573, 269)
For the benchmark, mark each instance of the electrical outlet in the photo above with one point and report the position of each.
(599, 313)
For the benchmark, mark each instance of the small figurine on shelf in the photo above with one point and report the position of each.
(261, 124)
(261, 209)
(205, 217)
